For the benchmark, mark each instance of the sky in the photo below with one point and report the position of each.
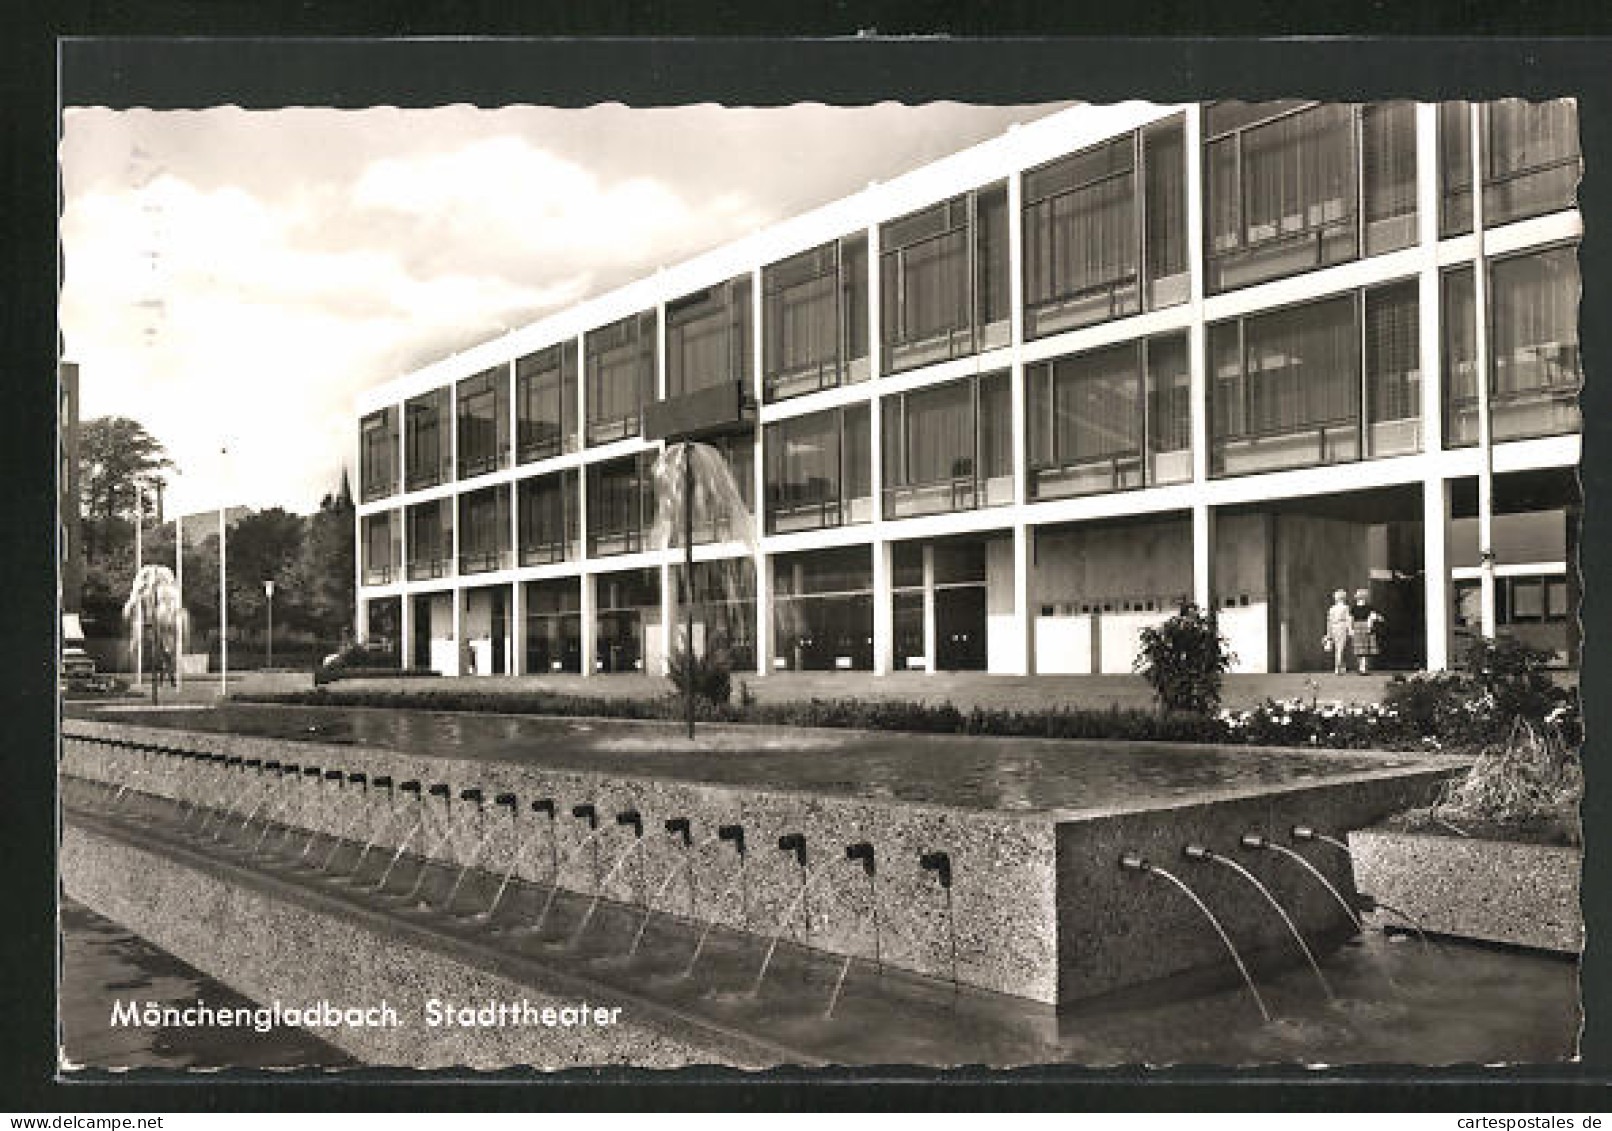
(233, 278)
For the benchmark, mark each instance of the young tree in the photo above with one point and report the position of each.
(323, 574)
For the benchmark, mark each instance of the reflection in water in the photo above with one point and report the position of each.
(1016, 773)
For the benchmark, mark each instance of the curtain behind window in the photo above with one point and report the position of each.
(1393, 389)
(940, 433)
(1097, 406)
(1535, 332)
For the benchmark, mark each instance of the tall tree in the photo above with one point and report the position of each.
(323, 576)
(120, 466)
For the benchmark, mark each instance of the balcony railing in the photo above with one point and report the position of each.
(607, 431)
(1111, 298)
(548, 553)
(483, 561)
(379, 574)
(481, 463)
(1308, 445)
(430, 474)
(1119, 471)
(379, 488)
(430, 569)
(1320, 237)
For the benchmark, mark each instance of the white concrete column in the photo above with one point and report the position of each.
(1203, 556)
(1480, 294)
(458, 666)
(669, 620)
(930, 634)
(764, 645)
(516, 634)
(590, 625)
(1436, 573)
(1024, 604)
(1429, 292)
(1197, 335)
(1016, 388)
(883, 613)
(405, 629)
(875, 357)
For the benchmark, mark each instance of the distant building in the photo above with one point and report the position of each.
(69, 508)
(1004, 412)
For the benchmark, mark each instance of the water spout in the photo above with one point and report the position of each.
(1258, 842)
(1199, 853)
(1133, 862)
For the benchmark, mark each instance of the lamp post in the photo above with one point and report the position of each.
(268, 591)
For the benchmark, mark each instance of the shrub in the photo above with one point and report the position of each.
(1531, 781)
(354, 658)
(1515, 677)
(1183, 659)
(710, 673)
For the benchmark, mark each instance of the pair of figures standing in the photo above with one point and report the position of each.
(1353, 626)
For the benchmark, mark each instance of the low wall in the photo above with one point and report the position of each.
(1496, 891)
(277, 946)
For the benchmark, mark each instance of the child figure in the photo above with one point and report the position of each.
(1339, 624)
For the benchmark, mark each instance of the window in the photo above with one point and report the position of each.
(484, 530)
(1534, 328)
(941, 274)
(1091, 222)
(823, 610)
(738, 451)
(621, 376)
(1388, 174)
(627, 604)
(815, 319)
(549, 510)
(621, 505)
(1393, 371)
(484, 423)
(948, 447)
(380, 559)
(546, 402)
(378, 454)
(554, 626)
(1531, 160)
(1089, 414)
(426, 447)
(724, 610)
(708, 338)
(1536, 372)
(430, 540)
(1282, 190)
(1286, 388)
(819, 470)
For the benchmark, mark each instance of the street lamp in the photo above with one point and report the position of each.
(268, 591)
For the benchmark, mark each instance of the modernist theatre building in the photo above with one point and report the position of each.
(1003, 412)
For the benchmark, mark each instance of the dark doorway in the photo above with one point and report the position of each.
(960, 628)
(500, 633)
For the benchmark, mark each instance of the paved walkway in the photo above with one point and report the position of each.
(964, 690)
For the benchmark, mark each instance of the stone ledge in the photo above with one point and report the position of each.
(1493, 891)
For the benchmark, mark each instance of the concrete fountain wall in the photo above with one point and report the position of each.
(1038, 907)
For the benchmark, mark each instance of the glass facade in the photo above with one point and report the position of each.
(708, 338)
(823, 610)
(430, 540)
(483, 420)
(1530, 156)
(948, 447)
(377, 473)
(724, 609)
(554, 626)
(1293, 186)
(427, 448)
(621, 505)
(484, 534)
(942, 281)
(1110, 419)
(621, 376)
(1535, 371)
(381, 548)
(546, 403)
(1288, 387)
(1105, 232)
(819, 470)
(549, 508)
(627, 605)
(814, 311)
